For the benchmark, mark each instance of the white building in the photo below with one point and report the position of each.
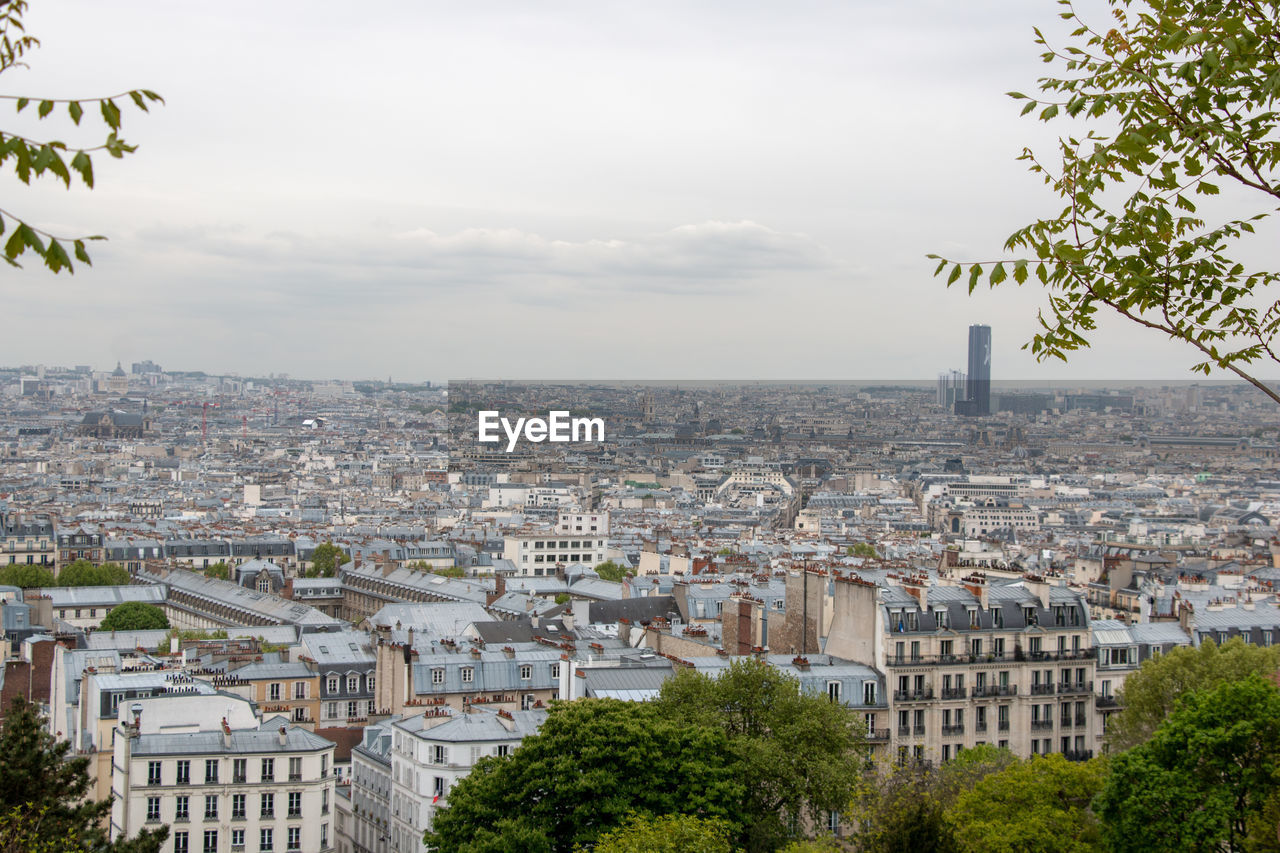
(221, 789)
(433, 751)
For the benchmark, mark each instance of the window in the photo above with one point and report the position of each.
(324, 801)
(331, 684)
(526, 672)
(324, 835)
(153, 772)
(181, 843)
(268, 805)
(437, 676)
(295, 804)
(947, 647)
(153, 809)
(324, 766)
(468, 674)
(869, 692)
(237, 839)
(439, 754)
(237, 806)
(369, 683)
(502, 750)
(437, 786)
(182, 807)
(833, 691)
(266, 839)
(295, 768)
(211, 771)
(353, 683)
(300, 690)
(211, 807)
(184, 773)
(268, 770)
(295, 838)
(240, 770)
(333, 709)
(273, 691)
(353, 709)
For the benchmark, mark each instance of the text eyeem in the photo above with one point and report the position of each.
(557, 427)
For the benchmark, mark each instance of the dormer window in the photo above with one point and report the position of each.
(940, 618)
(913, 620)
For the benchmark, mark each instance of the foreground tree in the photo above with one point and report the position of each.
(1174, 98)
(611, 571)
(1036, 806)
(798, 754)
(593, 763)
(134, 616)
(43, 792)
(84, 573)
(1151, 693)
(1207, 773)
(40, 157)
(675, 833)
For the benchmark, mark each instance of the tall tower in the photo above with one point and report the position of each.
(978, 386)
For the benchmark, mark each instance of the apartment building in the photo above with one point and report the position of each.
(222, 784)
(430, 752)
(1011, 665)
(370, 827)
(28, 539)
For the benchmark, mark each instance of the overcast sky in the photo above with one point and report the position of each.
(639, 189)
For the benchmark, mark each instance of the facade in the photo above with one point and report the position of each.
(537, 553)
(432, 751)
(28, 539)
(370, 829)
(219, 788)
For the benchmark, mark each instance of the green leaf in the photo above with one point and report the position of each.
(82, 164)
(1020, 271)
(15, 245)
(955, 274)
(81, 255)
(942, 264)
(55, 258)
(22, 103)
(998, 275)
(111, 114)
(137, 99)
(1030, 105)
(44, 109)
(1049, 112)
(75, 110)
(31, 238)
(975, 273)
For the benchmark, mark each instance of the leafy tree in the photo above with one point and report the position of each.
(25, 575)
(442, 571)
(1207, 772)
(673, 833)
(326, 559)
(43, 805)
(796, 753)
(1041, 805)
(219, 570)
(1150, 694)
(134, 616)
(593, 763)
(863, 549)
(562, 598)
(84, 573)
(903, 811)
(1175, 97)
(611, 571)
(37, 158)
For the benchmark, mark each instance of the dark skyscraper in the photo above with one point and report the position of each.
(978, 386)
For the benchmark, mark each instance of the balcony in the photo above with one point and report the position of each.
(295, 777)
(1081, 720)
(878, 734)
(1064, 723)
(980, 728)
(923, 695)
(1078, 755)
(1003, 725)
(995, 690)
(904, 731)
(1108, 702)
(1076, 687)
(1042, 725)
(1042, 690)
(953, 693)
(953, 730)
(918, 731)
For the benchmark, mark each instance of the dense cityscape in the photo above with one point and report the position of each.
(358, 601)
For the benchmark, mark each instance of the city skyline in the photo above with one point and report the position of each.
(720, 176)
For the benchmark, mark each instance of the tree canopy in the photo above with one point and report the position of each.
(1151, 693)
(43, 791)
(798, 754)
(35, 158)
(1203, 778)
(326, 559)
(593, 763)
(672, 833)
(134, 616)
(26, 575)
(84, 573)
(1169, 101)
(611, 571)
